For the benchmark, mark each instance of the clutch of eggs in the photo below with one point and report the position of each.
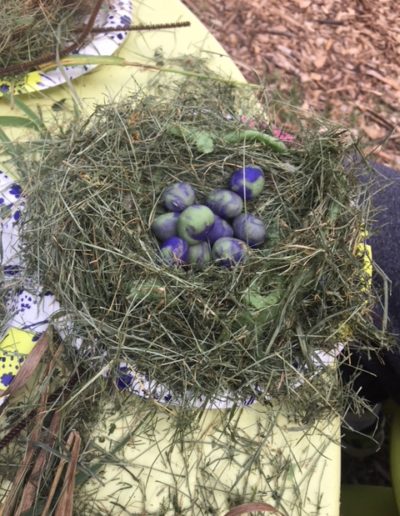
(217, 231)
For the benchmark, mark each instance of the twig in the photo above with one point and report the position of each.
(330, 22)
(57, 476)
(380, 119)
(154, 26)
(28, 458)
(17, 429)
(33, 482)
(65, 504)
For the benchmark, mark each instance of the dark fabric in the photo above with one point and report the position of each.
(381, 376)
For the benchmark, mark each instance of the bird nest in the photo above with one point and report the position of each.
(267, 327)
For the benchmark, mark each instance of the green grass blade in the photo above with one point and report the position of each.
(31, 115)
(18, 122)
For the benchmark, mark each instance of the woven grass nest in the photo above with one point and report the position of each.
(256, 329)
(31, 28)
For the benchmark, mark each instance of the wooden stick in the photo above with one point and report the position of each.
(65, 504)
(57, 476)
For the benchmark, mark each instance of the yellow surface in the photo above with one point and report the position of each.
(257, 455)
(14, 348)
(310, 482)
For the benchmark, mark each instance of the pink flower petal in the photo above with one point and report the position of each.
(285, 137)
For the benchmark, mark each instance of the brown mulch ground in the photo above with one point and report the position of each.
(339, 58)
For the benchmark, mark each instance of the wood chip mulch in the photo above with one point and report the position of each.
(338, 58)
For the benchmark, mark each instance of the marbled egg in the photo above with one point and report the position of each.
(199, 255)
(220, 229)
(174, 251)
(178, 196)
(250, 229)
(194, 223)
(228, 251)
(225, 203)
(165, 226)
(248, 182)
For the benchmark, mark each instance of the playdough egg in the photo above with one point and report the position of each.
(178, 196)
(249, 228)
(165, 226)
(248, 182)
(199, 255)
(220, 229)
(194, 223)
(228, 251)
(224, 203)
(174, 251)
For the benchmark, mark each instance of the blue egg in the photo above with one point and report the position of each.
(194, 223)
(224, 203)
(174, 251)
(220, 229)
(250, 229)
(178, 196)
(229, 251)
(165, 226)
(199, 255)
(248, 182)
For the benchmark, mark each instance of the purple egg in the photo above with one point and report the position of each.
(178, 196)
(194, 223)
(250, 229)
(248, 182)
(220, 229)
(199, 255)
(174, 251)
(165, 226)
(228, 251)
(225, 203)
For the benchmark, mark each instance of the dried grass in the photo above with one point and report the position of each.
(254, 330)
(29, 28)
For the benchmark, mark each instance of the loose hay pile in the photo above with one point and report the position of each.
(30, 28)
(256, 329)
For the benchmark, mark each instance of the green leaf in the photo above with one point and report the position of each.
(203, 140)
(259, 301)
(255, 136)
(6, 144)
(17, 121)
(85, 60)
(31, 115)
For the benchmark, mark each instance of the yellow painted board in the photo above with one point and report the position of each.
(312, 486)
(257, 455)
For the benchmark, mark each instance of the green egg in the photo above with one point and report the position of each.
(194, 223)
